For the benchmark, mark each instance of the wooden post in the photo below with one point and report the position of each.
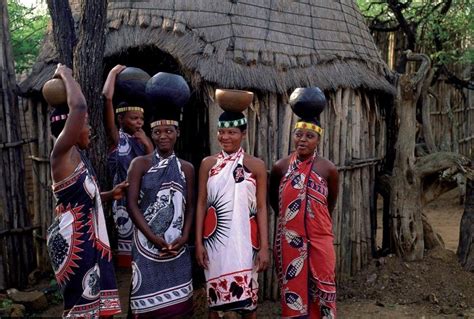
(251, 129)
(214, 111)
(345, 192)
(44, 208)
(284, 136)
(465, 250)
(262, 131)
(15, 227)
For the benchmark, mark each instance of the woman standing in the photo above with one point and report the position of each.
(77, 240)
(303, 189)
(161, 205)
(231, 222)
(125, 143)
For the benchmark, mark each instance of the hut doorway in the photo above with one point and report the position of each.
(193, 143)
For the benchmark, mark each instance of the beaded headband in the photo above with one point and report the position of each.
(309, 126)
(58, 118)
(233, 123)
(164, 122)
(128, 108)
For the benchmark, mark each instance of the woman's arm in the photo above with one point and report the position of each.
(115, 193)
(136, 170)
(109, 116)
(188, 170)
(333, 187)
(274, 188)
(145, 140)
(263, 257)
(201, 206)
(76, 118)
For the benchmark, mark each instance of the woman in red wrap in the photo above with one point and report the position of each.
(303, 190)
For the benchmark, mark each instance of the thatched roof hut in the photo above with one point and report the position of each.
(269, 47)
(273, 46)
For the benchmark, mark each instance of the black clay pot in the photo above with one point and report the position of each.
(307, 103)
(133, 74)
(130, 87)
(167, 89)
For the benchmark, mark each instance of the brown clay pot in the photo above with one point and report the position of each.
(54, 92)
(233, 100)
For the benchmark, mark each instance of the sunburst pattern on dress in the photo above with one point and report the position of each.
(62, 274)
(217, 226)
(103, 248)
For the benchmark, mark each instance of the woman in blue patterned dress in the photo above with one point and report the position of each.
(125, 143)
(161, 205)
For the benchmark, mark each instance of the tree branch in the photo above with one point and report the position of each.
(440, 161)
(384, 29)
(396, 7)
(453, 79)
(418, 80)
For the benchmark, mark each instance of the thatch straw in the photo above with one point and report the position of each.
(268, 46)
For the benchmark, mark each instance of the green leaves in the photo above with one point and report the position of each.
(443, 28)
(27, 28)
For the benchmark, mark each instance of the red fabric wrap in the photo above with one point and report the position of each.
(304, 248)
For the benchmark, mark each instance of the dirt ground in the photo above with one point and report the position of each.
(435, 287)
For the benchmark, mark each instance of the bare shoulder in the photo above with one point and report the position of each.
(141, 163)
(285, 161)
(281, 165)
(186, 165)
(328, 164)
(63, 166)
(325, 167)
(208, 162)
(253, 162)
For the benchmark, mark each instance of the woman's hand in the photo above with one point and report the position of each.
(177, 244)
(119, 190)
(201, 256)
(263, 260)
(61, 71)
(141, 137)
(144, 140)
(109, 86)
(165, 248)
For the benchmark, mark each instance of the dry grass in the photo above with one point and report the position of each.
(267, 46)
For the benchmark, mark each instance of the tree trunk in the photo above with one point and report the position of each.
(466, 234)
(63, 30)
(431, 238)
(405, 197)
(86, 60)
(88, 70)
(16, 251)
(426, 116)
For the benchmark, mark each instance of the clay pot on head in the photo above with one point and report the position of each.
(54, 92)
(307, 102)
(167, 89)
(233, 100)
(130, 87)
(133, 74)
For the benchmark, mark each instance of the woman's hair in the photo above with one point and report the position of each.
(121, 104)
(313, 120)
(58, 119)
(233, 116)
(164, 111)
